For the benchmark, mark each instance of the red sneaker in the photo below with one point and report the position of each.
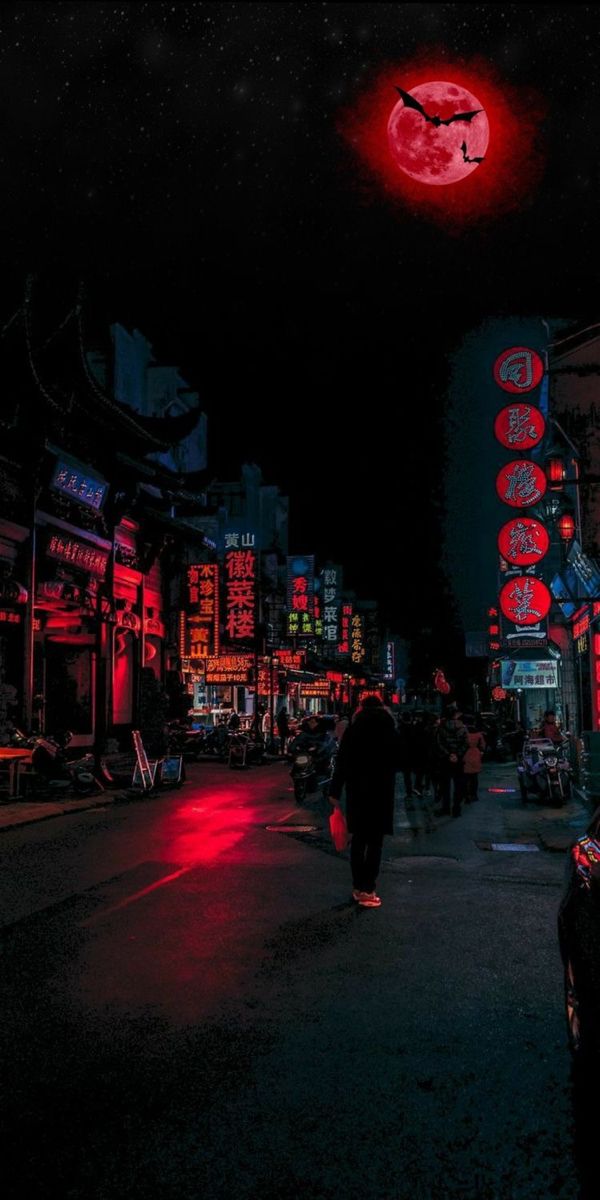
(369, 900)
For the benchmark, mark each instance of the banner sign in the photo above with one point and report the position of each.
(79, 483)
(529, 674)
(77, 554)
(319, 687)
(357, 637)
(331, 606)
(229, 668)
(203, 606)
(345, 628)
(240, 588)
(301, 595)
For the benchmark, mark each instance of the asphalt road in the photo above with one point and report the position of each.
(193, 1007)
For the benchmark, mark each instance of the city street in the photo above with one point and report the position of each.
(193, 1006)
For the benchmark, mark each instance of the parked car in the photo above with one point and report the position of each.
(579, 939)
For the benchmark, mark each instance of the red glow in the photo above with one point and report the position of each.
(513, 163)
(566, 527)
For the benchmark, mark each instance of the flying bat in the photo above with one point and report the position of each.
(410, 102)
(466, 157)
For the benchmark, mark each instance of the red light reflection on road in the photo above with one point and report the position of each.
(205, 826)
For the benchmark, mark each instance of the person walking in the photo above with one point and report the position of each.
(366, 765)
(283, 728)
(472, 762)
(452, 745)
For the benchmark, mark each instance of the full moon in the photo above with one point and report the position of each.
(433, 153)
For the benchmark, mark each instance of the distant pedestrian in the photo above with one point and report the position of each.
(283, 728)
(341, 726)
(366, 766)
(452, 745)
(472, 762)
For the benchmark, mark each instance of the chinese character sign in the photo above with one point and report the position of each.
(229, 668)
(301, 596)
(390, 663)
(519, 426)
(331, 588)
(83, 486)
(345, 628)
(525, 600)
(357, 638)
(202, 585)
(523, 541)
(520, 483)
(518, 369)
(77, 554)
(240, 588)
(541, 674)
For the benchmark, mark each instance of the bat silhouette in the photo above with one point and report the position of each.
(465, 156)
(410, 102)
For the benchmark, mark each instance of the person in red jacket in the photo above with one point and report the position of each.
(472, 762)
(550, 728)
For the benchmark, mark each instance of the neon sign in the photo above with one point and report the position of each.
(240, 583)
(77, 554)
(81, 485)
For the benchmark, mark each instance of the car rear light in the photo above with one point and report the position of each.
(585, 853)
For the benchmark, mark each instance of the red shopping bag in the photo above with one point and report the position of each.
(338, 829)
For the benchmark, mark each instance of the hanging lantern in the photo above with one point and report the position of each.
(566, 527)
(555, 471)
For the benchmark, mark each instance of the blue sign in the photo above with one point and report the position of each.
(585, 569)
(562, 596)
(79, 483)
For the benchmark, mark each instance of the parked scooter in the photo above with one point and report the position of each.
(245, 750)
(544, 771)
(312, 767)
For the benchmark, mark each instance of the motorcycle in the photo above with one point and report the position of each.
(245, 750)
(312, 769)
(545, 771)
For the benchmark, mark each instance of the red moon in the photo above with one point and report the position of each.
(433, 153)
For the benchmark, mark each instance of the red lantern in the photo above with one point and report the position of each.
(498, 693)
(525, 600)
(521, 483)
(566, 527)
(523, 541)
(555, 471)
(440, 683)
(518, 369)
(519, 426)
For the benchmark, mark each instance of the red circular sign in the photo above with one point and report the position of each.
(519, 426)
(523, 541)
(520, 483)
(498, 693)
(518, 369)
(525, 600)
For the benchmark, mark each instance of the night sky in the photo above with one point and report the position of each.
(191, 162)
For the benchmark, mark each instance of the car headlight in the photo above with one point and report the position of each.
(551, 761)
(302, 760)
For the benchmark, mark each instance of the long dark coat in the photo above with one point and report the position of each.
(367, 761)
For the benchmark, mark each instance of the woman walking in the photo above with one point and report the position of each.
(367, 761)
(472, 762)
